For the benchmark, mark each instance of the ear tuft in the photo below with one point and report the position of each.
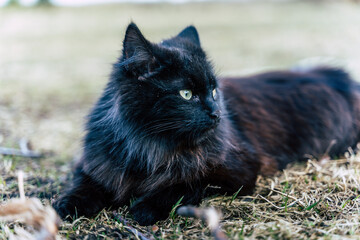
(135, 43)
(191, 34)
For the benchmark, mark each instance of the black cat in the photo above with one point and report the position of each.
(166, 128)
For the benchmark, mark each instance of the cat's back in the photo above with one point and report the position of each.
(294, 90)
(287, 82)
(287, 114)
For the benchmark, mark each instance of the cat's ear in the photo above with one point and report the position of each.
(191, 34)
(135, 44)
(138, 53)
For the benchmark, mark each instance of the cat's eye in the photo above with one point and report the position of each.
(186, 94)
(214, 94)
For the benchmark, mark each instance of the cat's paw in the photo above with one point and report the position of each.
(146, 214)
(63, 209)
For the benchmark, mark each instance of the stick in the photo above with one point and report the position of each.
(17, 152)
(21, 185)
(129, 228)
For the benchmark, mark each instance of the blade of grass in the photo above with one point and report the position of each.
(313, 205)
(235, 195)
(173, 210)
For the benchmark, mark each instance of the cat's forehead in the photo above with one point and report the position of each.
(195, 74)
(199, 72)
(193, 63)
(190, 64)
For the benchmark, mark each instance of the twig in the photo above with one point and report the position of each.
(129, 228)
(24, 151)
(21, 185)
(208, 215)
(288, 205)
(271, 202)
(289, 196)
(20, 153)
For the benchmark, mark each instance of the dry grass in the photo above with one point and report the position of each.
(316, 200)
(54, 63)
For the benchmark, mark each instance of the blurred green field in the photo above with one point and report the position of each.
(54, 63)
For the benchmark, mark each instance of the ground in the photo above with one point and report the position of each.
(54, 63)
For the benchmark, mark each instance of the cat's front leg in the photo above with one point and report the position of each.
(157, 205)
(238, 172)
(84, 197)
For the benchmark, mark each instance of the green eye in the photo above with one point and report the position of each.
(186, 94)
(214, 94)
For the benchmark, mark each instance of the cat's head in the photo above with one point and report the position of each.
(168, 90)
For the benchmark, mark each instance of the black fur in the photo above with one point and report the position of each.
(145, 141)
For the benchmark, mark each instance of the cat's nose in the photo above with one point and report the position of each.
(215, 115)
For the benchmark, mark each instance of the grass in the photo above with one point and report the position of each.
(55, 61)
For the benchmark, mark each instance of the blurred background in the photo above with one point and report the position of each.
(56, 55)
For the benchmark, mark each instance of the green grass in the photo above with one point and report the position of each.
(54, 63)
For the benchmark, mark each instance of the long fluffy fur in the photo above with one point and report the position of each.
(144, 141)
